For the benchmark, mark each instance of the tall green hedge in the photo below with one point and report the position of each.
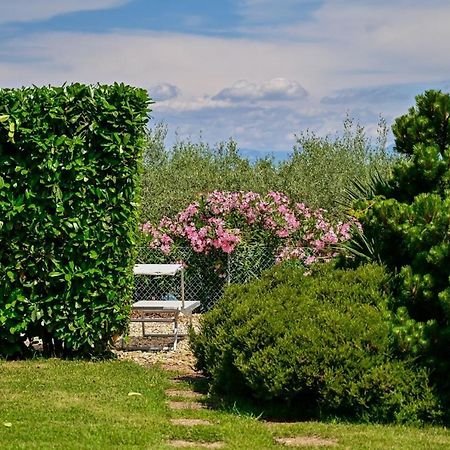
(69, 164)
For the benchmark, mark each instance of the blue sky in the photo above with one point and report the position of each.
(259, 71)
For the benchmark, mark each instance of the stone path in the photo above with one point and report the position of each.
(182, 362)
(190, 422)
(176, 393)
(185, 405)
(192, 444)
(306, 441)
(186, 401)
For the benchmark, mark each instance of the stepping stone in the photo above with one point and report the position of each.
(180, 393)
(274, 424)
(186, 405)
(192, 444)
(188, 378)
(190, 422)
(310, 441)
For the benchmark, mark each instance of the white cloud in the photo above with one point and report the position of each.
(196, 65)
(164, 91)
(390, 95)
(30, 10)
(254, 125)
(189, 105)
(204, 65)
(277, 89)
(349, 52)
(381, 35)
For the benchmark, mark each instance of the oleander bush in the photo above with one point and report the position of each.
(319, 341)
(69, 159)
(234, 236)
(219, 222)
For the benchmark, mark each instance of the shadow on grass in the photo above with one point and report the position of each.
(245, 405)
(196, 381)
(36, 351)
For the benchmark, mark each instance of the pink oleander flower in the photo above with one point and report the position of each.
(221, 221)
(319, 245)
(165, 249)
(330, 237)
(146, 227)
(310, 260)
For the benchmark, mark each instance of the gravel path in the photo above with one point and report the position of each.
(181, 360)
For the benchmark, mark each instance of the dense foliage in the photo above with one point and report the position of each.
(317, 173)
(320, 341)
(408, 221)
(69, 159)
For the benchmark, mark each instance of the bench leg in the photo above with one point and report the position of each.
(175, 330)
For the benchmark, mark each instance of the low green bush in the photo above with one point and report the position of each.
(320, 342)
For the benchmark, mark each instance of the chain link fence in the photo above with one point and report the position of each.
(206, 277)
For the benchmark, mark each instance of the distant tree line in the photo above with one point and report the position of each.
(318, 172)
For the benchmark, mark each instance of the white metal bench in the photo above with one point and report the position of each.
(173, 307)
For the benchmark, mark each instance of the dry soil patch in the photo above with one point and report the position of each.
(180, 360)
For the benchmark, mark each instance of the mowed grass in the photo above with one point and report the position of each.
(53, 404)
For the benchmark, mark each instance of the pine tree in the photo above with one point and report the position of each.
(408, 221)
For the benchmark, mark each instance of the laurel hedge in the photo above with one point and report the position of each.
(69, 159)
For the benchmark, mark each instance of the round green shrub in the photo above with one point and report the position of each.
(318, 341)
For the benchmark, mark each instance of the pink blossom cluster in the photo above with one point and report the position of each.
(222, 220)
(318, 244)
(193, 228)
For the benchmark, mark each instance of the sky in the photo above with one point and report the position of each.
(257, 71)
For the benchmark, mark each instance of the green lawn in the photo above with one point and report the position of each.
(51, 404)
